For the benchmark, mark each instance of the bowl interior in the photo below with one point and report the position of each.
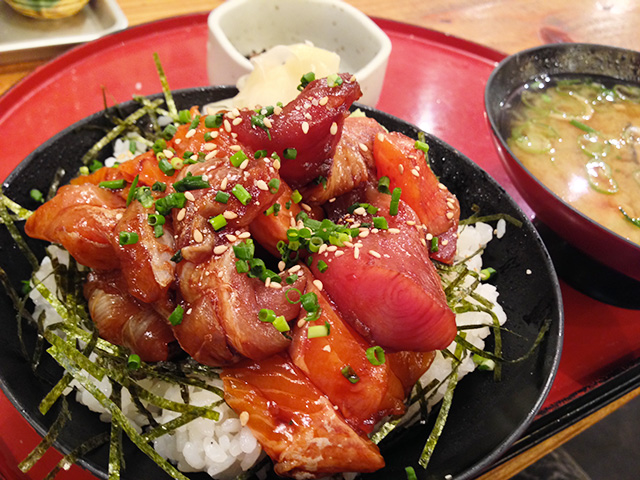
(486, 416)
(511, 74)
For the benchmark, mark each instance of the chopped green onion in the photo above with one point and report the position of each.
(422, 146)
(222, 197)
(286, 294)
(97, 164)
(322, 266)
(381, 223)
(166, 167)
(375, 355)
(242, 266)
(487, 273)
(238, 158)
(194, 123)
(395, 201)
(184, 116)
(296, 197)
(218, 222)
(317, 331)
(291, 279)
(191, 182)
(159, 145)
(260, 154)
(383, 185)
(281, 324)
(113, 184)
(349, 373)
(169, 131)
(176, 316)
(133, 362)
(266, 315)
(213, 121)
(484, 364)
(334, 80)
(173, 200)
(144, 196)
(241, 194)
(290, 153)
(36, 194)
(309, 302)
(177, 163)
(434, 245)
(132, 190)
(153, 219)
(245, 250)
(159, 187)
(128, 238)
(274, 185)
(306, 79)
(411, 473)
(177, 257)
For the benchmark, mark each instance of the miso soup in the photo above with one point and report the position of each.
(581, 138)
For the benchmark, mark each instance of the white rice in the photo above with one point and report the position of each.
(225, 448)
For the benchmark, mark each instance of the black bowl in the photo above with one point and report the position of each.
(597, 241)
(486, 417)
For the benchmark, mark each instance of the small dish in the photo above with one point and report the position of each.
(598, 62)
(239, 29)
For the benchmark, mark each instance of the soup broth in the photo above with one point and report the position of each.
(581, 138)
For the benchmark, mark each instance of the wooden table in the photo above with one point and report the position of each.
(504, 25)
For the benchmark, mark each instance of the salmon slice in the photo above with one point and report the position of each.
(406, 166)
(294, 422)
(374, 394)
(82, 219)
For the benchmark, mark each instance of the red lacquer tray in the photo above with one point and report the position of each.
(433, 81)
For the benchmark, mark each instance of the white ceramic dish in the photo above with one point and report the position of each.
(241, 28)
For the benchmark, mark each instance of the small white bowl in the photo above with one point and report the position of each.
(239, 29)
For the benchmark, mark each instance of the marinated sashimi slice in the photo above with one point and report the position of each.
(409, 366)
(311, 124)
(397, 157)
(146, 262)
(385, 286)
(125, 321)
(338, 365)
(82, 219)
(221, 308)
(294, 422)
(353, 162)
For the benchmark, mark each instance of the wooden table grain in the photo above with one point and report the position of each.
(504, 25)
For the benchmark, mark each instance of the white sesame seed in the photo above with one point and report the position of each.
(339, 253)
(429, 236)
(331, 200)
(281, 266)
(276, 164)
(307, 115)
(178, 141)
(327, 348)
(220, 249)
(348, 244)
(381, 137)
(444, 242)
(210, 155)
(197, 236)
(415, 172)
(449, 215)
(301, 323)
(356, 253)
(360, 211)
(352, 79)
(227, 125)
(323, 101)
(294, 269)
(118, 216)
(244, 235)
(423, 241)
(181, 214)
(244, 164)
(267, 282)
(214, 134)
(209, 146)
(168, 153)
(235, 112)
(229, 215)
(244, 418)
(235, 148)
(318, 284)
(442, 186)
(189, 311)
(275, 286)
(190, 133)
(223, 183)
(363, 233)
(277, 110)
(363, 147)
(393, 230)
(232, 238)
(323, 248)
(262, 185)
(189, 196)
(237, 121)
(373, 253)
(305, 207)
(332, 248)
(334, 128)
(267, 123)
(305, 127)
(401, 168)
(411, 223)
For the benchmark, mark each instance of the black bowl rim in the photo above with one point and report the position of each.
(558, 322)
(497, 134)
